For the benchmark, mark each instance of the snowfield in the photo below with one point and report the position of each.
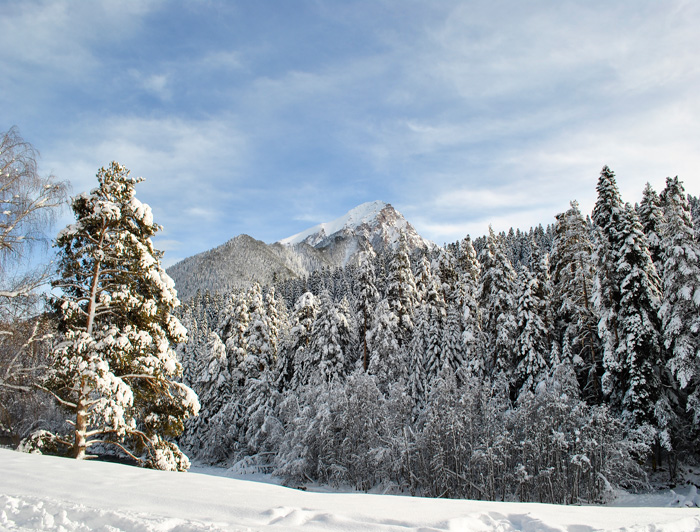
(47, 493)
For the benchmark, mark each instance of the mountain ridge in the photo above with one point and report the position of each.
(243, 260)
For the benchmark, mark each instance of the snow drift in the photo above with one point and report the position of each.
(47, 493)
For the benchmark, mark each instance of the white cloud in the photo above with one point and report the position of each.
(60, 35)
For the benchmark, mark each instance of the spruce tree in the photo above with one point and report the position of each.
(631, 377)
(497, 294)
(607, 296)
(330, 340)
(433, 313)
(469, 271)
(572, 276)
(680, 311)
(367, 300)
(296, 370)
(114, 369)
(387, 360)
(651, 216)
(532, 337)
(401, 290)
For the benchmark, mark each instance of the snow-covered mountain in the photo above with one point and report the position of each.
(243, 260)
(377, 222)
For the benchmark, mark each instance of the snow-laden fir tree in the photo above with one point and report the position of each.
(497, 292)
(469, 271)
(261, 430)
(260, 336)
(572, 277)
(532, 337)
(401, 290)
(367, 300)
(387, 359)
(297, 370)
(232, 326)
(608, 244)
(680, 311)
(115, 370)
(214, 386)
(432, 317)
(423, 279)
(631, 379)
(445, 267)
(651, 216)
(331, 337)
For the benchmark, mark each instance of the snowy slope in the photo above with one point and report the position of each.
(47, 493)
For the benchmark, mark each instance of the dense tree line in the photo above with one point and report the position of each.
(543, 365)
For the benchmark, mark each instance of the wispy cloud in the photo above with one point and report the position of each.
(252, 118)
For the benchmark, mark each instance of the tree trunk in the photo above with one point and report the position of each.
(80, 445)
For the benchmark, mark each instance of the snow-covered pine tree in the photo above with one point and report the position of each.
(680, 311)
(261, 352)
(497, 292)
(608, 244)
(469, 271)
(214, 386)
(367, 300)
(295, 371)
(445, 266)
(631, 378)
(115, 370)
(531, 341)
(423, 279)
(572, 277)
(387, 360)
(330, 339)
(651, 216)
(259, 394)
(401, 290)
(232, 325)
(434, 313)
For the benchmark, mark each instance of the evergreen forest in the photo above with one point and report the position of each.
(554, 365)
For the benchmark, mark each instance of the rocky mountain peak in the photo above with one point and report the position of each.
(376, 222)
(243, 260)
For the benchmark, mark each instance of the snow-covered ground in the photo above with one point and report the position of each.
(47, 493)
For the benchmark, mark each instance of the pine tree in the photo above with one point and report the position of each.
(115, 370)
(631, 376)
(387, 359)
(401, 290)
(232, 325)
(680, 311)
(531, 343)
(296, 370)
(607, 296)
(497, 301)
(261, 351)
(651, 216)
(434, 314)
(572, 277)
(469, 271)
(330, 340)
(367, 302)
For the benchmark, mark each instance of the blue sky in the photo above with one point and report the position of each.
(265, 117)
